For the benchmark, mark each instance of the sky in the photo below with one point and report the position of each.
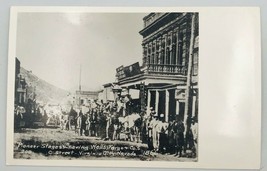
(54, 46)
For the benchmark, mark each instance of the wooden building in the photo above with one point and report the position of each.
(20, 86)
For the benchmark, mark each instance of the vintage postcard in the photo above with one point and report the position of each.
(129, 87)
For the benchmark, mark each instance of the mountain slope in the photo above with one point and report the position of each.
(45, 92)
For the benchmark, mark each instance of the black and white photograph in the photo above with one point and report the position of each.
(134, 87)
(106, 86)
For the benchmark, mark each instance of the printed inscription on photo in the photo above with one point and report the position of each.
(107, 86)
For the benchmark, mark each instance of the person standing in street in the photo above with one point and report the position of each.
(87, 124)
(108, 123)
(163, 131)
(93, 121)
(155, 132)
(79, 124)
(72, 119)
(149, 133)
(194, 128)
(171, 139)
(179, 135)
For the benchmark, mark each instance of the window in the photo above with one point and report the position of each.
(167, 56)
(152, 59)
(173, 55)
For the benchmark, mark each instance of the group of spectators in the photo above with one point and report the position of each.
(172, 137)
(105, 121)
(86, 123)
(29, 115)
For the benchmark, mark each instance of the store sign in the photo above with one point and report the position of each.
(132, 70)
(120, 72)
(128, 71)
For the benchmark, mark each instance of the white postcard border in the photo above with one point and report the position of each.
(204, 161)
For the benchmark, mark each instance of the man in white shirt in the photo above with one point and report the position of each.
(194, 128)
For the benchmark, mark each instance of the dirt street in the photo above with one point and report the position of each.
(48, 143)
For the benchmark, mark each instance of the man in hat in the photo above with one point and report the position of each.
(171, 138)
(72, 119)
(108, 123)
(149, 110)
(149, 125)
(163, 130)
(93, 122)
(87, 124)
(155, 132)
(19, 119)
(79, 124)
(179, 135)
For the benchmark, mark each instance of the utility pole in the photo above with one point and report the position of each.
(80, 87)
(189, 75)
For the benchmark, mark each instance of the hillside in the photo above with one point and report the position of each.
(45, 92)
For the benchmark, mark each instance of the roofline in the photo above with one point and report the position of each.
(147, 16)
(153, 23)
(110, 84)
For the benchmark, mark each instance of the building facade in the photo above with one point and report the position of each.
(83, 97)
(20, 86)
(168, 77)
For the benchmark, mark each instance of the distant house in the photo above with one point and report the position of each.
(107, 94)
(83, 97)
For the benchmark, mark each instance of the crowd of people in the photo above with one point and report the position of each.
(107, 122)
(30, 115)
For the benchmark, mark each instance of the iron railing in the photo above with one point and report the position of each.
(170, 69)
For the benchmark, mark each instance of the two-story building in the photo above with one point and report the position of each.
(168, 77)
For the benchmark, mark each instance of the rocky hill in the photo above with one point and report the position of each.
(45, 92)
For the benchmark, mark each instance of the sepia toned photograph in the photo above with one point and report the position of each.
(106, 86)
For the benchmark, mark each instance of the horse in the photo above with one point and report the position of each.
(64, 119)
(132, 125)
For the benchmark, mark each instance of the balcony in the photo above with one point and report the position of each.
(165, 69)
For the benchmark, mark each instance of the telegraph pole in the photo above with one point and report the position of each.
(189, 75)
(80, 87)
